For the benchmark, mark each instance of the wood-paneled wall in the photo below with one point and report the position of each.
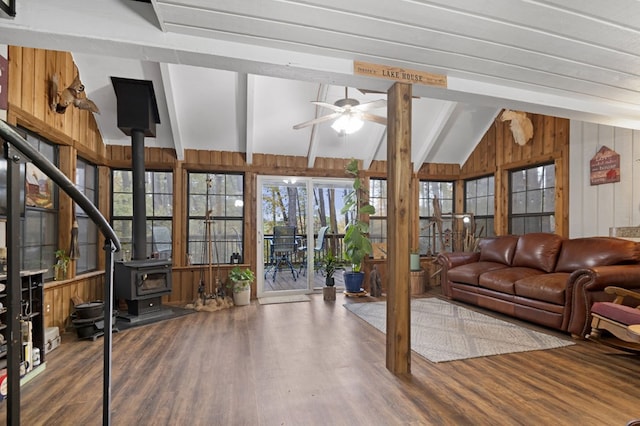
(497, 153)
(76, 133)
(30, 72)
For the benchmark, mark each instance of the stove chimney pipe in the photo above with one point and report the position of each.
(137, 117)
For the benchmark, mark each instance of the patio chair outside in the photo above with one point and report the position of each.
(283, 246)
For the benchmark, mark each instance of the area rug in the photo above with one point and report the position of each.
(283, 299)
(442, 331)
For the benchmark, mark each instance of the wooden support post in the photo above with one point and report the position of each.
(399, 185)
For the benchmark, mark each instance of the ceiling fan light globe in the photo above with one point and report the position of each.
(347, 124)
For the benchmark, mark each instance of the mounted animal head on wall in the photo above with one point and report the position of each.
(521, 126)
(72, 95)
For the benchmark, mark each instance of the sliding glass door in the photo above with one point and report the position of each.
(299, 222)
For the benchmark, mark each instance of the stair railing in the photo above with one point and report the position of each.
(17, 150)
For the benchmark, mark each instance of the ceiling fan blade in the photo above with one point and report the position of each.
(328, 106)
(375, 118)
(380, 103)
(317, 120)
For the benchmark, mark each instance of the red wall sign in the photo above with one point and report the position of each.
(605, 167)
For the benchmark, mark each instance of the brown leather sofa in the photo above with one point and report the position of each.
(542, 278)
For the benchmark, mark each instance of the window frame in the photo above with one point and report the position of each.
(231, 248)
(87, 242)
(424, 235)
(484, 221)
(119, 222)
(378, 221)
(38, 219)
(529, 217)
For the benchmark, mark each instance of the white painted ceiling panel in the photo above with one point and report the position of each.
(576, 59)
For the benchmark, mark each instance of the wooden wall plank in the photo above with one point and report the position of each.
(15, 77)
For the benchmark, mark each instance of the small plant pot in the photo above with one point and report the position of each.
(60, 274)
(241, 296)
(329, 294)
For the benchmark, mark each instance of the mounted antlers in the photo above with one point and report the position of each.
(521, 126)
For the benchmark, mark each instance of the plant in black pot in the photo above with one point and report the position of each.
(357, 245)
(328, 268)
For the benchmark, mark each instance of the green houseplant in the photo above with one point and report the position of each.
(356, 237)
(328, 268)
(240, 284)
(61, 265)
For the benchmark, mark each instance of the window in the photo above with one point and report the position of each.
(159, 210)
(430, 240)
(86, 182)
(40, 223)
(479, 200)
(222, 195)
(532, 200)
(378, 221)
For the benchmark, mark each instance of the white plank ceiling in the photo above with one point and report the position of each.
(237, 75)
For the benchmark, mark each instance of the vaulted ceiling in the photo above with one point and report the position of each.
(238, 75)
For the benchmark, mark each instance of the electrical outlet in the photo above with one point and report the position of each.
(48, 309)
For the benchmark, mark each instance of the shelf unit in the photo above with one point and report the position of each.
(31, 323)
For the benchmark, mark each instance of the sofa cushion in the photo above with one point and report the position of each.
(469, 273)
(581, 253)
(498, 249)
(537, 250)
(546, 287)
(503, 279)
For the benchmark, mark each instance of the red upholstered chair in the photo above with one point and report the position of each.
(620, 320)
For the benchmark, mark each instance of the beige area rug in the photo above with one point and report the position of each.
(284, 299)
(442, 331)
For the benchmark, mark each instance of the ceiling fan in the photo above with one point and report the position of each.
(348, 114)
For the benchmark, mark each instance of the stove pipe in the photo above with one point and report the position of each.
(137, 117)
(139, 231)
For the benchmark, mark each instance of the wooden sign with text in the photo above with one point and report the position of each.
(399, 74)
(605, 166)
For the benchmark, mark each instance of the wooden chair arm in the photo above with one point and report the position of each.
(621, 293)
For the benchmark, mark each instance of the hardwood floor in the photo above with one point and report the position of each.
(314, 363)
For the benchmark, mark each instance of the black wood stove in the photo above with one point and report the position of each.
(141, 281)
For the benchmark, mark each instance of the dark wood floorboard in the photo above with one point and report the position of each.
(314, 363)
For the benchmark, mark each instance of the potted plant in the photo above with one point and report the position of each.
(328, 268)
(240, 284)
(61, 265)
(356, 237)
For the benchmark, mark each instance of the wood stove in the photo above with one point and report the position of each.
(142, 281)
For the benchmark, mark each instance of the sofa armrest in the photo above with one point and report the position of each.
(451, 260)
(586, 286)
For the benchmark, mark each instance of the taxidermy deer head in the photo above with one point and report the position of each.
(521, 126)
(72, 95)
